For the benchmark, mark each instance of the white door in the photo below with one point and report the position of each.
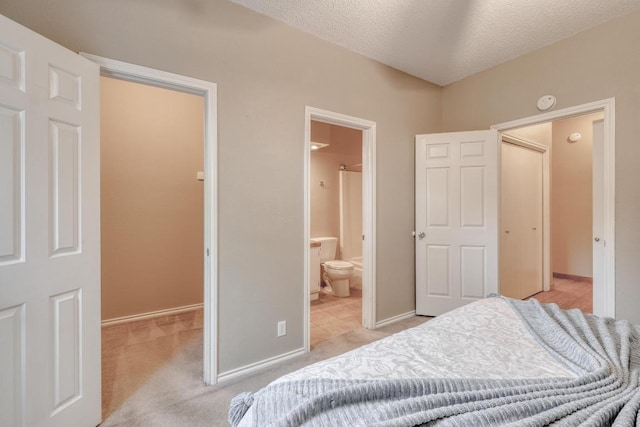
(599, 243)
(521, 252)
(456, 219)
(49, 233)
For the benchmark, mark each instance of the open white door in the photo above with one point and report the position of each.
(599, 242)
(49, 233)
(456, 219)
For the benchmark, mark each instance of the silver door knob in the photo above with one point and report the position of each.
(597, 239)
(421, 235)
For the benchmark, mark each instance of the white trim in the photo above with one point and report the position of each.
(151, 314)
(546, 201)
(395, 319)
(258, 366)
(606, 307)
(368, 129)
(208, 91)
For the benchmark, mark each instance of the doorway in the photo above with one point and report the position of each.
(336, 225)
(598, 248)
(569, 202)
(151, 154)
(207, 90)
(368, 136)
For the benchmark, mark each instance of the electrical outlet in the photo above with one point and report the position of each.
(282, 328)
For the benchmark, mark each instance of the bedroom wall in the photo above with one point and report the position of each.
(151, 205)
(266, 73)
(596, 64)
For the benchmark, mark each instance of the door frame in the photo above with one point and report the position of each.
(546, 201)
(368, 129)
(604, 304)
(208, 91)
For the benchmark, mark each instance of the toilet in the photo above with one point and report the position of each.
(337, 273)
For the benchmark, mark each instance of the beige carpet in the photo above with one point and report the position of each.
(176, 395)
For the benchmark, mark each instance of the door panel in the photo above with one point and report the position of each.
(12, 190)
(65, 166)
(472, 264)
(50, 263)
(12, 366)
(531, 222)
(456, 219)
(472, 197)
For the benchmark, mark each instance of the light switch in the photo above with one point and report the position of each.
(200, 176)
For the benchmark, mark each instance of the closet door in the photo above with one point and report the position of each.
(521, 222)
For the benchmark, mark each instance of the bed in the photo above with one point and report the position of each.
(493, 362)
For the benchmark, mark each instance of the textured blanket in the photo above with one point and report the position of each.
(603, 353)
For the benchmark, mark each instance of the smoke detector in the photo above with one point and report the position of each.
(546, 102)
(575, 137)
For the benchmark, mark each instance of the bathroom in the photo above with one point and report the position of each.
(335, 230)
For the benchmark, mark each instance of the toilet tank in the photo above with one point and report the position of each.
(328, 247)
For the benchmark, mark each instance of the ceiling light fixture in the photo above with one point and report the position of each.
(317, 145)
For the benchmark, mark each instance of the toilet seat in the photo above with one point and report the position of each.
(338, 265)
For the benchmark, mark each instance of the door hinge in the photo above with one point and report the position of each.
(207, 251)
(363, 237)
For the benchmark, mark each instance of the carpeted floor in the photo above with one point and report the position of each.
(176, 396)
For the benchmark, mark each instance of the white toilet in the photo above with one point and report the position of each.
(336, 272)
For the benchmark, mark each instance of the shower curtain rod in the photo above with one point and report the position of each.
(345, 167)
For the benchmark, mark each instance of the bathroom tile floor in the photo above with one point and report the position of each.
(332, 316)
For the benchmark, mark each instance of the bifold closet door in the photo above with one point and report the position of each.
(521, 222)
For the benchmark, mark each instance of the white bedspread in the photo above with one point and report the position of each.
(484, 339)
(480, 340)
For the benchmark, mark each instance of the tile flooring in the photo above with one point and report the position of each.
(569, 293)
(133, 351)
(332, 316)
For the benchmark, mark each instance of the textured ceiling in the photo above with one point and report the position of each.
(442, 41)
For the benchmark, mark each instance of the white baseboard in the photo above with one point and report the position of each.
(257, 366)
(395, 319)
(151, 314)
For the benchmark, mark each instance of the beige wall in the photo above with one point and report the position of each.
(571, 197)
(151, 202)
(345, 148)
(600, 63)
(266, 73)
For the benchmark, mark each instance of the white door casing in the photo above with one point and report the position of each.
(208, 91)
(604, 294)
(368, 129)
(456, 219)
(49, 233)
